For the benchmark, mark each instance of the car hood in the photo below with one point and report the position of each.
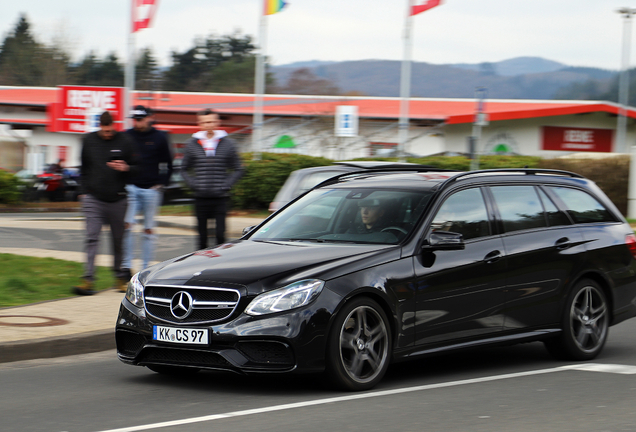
(261, 264)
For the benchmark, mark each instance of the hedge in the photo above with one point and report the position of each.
(263, 178)
(9, 188)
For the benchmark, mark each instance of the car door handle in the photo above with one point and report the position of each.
(492, 257)
(563, 243)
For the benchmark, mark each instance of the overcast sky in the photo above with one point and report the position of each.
(574, 32)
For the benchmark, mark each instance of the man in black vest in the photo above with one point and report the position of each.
(210, 167)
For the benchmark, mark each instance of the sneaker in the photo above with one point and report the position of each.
(85, 288)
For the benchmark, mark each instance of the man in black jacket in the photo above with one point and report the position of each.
(107, 160)
(210, 167)
(145, 191)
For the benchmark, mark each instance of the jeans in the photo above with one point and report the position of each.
(146, 202)
(99, 213)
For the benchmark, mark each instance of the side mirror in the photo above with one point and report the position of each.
(444, 240)
(248, 230)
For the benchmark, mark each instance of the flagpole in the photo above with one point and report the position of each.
(405, 86)
(259, 89)
(129, 79)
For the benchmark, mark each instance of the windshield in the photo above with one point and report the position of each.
(348, 216)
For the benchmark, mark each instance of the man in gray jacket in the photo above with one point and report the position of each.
(210, 167)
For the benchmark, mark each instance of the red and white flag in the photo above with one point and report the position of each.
(142, 13)
(424, 5)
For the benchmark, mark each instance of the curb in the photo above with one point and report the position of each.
(61, 346)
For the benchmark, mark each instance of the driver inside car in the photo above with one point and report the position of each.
(371, 214)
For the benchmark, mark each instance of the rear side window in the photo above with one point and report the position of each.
(583, 207)
(555, 216)
(465, 213)
(519, 207)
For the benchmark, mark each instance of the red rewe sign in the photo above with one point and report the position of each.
(78, 108)
(577, 139)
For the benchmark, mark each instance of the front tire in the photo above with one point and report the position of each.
(585, 324)
(359, 346)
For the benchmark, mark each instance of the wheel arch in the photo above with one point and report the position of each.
(381, 300)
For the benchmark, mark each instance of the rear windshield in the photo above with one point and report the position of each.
(347, 216)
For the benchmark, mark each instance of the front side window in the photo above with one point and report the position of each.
(347, 215)
(519, 207)
(583, 207)
(465, 213)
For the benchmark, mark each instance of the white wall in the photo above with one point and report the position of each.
(525, 135)
(316, 138)
(42, 141)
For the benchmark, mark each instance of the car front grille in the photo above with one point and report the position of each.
(182, 357)
(272, 353)
(208, 304)
(129, 343)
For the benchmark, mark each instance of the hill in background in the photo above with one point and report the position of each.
(517, 78)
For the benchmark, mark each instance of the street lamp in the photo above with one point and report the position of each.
(623, 83)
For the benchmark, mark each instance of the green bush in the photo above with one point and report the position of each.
(263, 178)
(9, 188)
(462, 163)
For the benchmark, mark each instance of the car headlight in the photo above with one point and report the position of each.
(292, 296)
(135, 291)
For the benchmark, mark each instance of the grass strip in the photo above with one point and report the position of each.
(26, 280)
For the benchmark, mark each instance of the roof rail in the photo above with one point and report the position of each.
(460, 174)
(524, 171)
(392, 169)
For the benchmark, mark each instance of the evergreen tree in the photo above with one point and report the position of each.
(186, 68)
(93, 71)
(87, 71)
(194, 69)
(146, 70)
(19, 56)
(111, 72)
(234, 76)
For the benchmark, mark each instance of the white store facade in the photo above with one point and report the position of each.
(306, 124)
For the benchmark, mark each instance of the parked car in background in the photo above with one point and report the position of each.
(57, 184)
(378, 267)
(177, 192)
(300, 181)
(27, 187)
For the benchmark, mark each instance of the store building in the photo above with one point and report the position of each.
(31, 119)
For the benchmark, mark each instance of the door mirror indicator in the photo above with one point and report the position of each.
(444, 240)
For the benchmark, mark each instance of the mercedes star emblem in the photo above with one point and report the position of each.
(181, 305)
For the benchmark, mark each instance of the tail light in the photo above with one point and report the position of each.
(630, 241)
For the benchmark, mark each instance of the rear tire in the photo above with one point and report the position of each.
(585, 324)
(359, 346)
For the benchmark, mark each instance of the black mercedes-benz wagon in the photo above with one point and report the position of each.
(376, 267)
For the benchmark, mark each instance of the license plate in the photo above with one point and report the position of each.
(180, 335)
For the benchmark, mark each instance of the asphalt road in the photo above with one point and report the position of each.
(72, 240)
(517, 388)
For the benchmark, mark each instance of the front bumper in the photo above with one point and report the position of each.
(293, 341)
